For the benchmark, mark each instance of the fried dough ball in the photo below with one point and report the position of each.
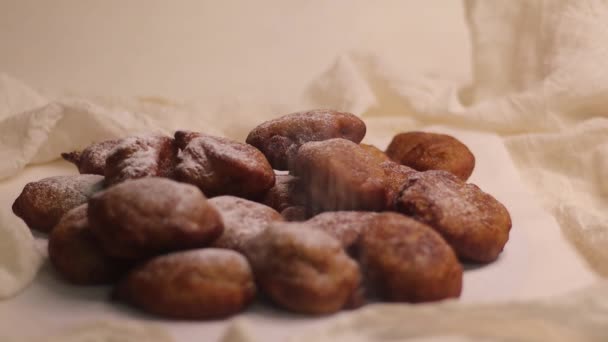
(76, 254)
(205, 283)
(152, 155)
(431, 151)
(303, 270)
(220, 166)
(340, 175)
(345, 226)
(286, 192)
(92, 160)
(280, 139)
(474, 223)
(242, 219)
(376, 152)
(41, 204)
(148, 216)
(395, 175)
(407, 261)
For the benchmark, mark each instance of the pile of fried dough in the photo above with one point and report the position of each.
(195, 226)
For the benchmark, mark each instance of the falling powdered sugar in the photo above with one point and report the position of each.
(242, 219)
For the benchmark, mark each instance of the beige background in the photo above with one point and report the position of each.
(191, 50)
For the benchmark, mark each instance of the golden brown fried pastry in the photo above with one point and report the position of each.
(345, 226)
(431, 151)
(92, 159)
(198, 284)
(220, 166)
(303, 270)
(41, 204)
(76, 254)
(340, 175)
(242, 219)
(148, 216)
(474, 223)
(296, 213)
(395, 175)
(407, 261)
(376, 152)
(286, 192)
(280, 139)
(152, 155)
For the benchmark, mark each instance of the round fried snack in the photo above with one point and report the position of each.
(395, 175)
(345, 226)
(92, 159)
(286, 192)
(340, 175)
(474, 223)
(41, 204)
(76, 254)
(242, 219)
(407, 261)
(376, 152)
(220, 166)
(303, 270)
(280, 139)
(431, 151)
(205, 283)
(148, 216)
(152, 155)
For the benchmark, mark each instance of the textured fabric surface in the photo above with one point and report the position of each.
(539, 81)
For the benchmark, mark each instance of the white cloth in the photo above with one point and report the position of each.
(539, 80)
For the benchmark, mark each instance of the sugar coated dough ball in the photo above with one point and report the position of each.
(205, 283)
(148, 216)
(280, 139)
(407, 261)
(303, 270)
(473, 222)
(431, 151)
(41, 204)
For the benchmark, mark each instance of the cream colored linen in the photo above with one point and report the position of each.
(539, 80)
(98, 331)
(580, 316)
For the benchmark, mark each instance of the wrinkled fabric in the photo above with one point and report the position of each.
(539, 81)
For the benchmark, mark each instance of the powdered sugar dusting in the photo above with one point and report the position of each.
(140, 162)
(300, 233)
(41, 204)
(242, 219)
(156, 192)
(474, 223)
(208, 257)
(221, 166)
(345, 226)
(93, 158)
(446, 191)
(229, 149)
(280, 139)
(140, 156)
(64, 191)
